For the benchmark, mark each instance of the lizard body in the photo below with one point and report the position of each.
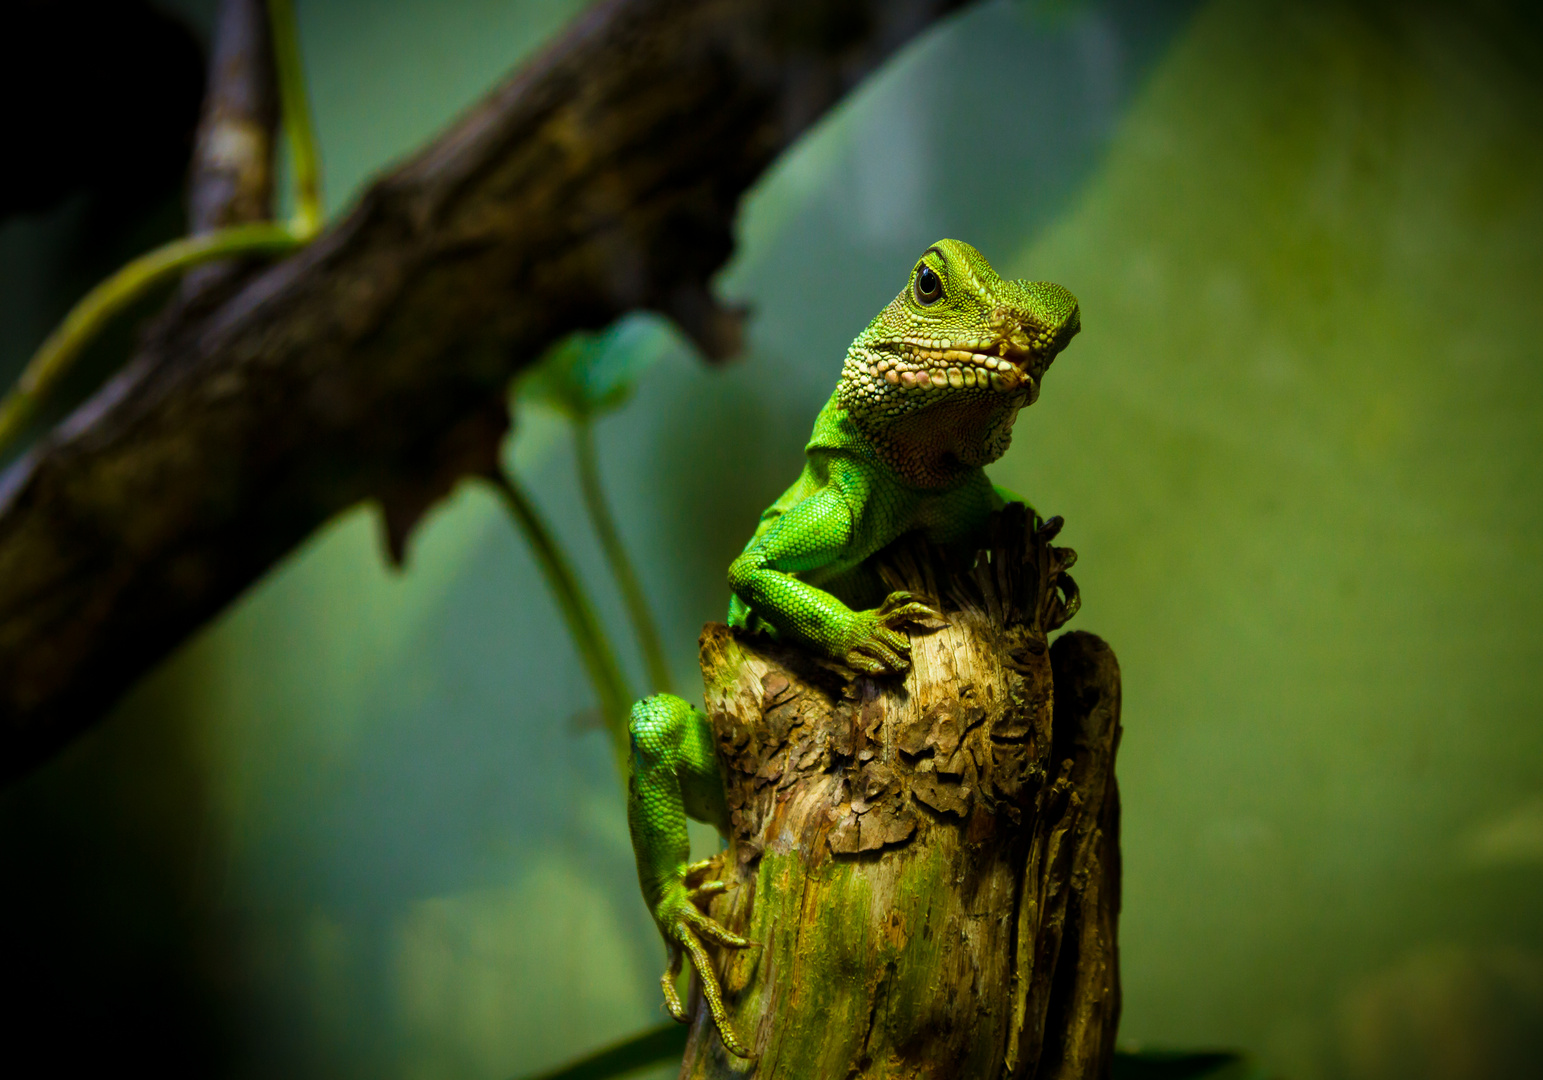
(927, 397)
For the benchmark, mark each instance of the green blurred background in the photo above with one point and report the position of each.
(361, 826)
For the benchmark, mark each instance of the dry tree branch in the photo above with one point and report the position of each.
(230, 208)
(604, 176)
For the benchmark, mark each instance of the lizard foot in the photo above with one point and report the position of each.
(881, 648)
(684, 926)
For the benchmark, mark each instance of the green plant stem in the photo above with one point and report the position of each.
(127, 285)
(132, 281)
(295, 111)
(622, 570)
(589, 637)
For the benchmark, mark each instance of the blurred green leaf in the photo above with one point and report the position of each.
(652, 1047)
(587, 374)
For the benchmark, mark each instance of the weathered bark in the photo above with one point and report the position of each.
(602, 178)
(931, 867)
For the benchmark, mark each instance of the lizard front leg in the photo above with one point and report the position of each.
(817, 534)
(675, 773)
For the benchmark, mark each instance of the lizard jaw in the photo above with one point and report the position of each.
(928, 364)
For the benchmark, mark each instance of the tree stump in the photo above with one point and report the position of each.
(931, 867)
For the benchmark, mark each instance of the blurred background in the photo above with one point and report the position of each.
(362, 825)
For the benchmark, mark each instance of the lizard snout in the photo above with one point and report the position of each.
(1035, 328)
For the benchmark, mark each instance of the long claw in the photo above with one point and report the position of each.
(919, 616)
(913, 611)
(898, 600)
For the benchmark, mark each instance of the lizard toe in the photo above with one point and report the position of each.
(714, 931)
(707, 890)
(701, 866)
(873, 657)
(667, 984)
(897, 643)
(858, 660)
(712, 993)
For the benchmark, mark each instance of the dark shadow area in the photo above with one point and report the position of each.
(1171, 1065)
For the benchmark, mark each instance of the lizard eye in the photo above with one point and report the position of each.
(928, 287)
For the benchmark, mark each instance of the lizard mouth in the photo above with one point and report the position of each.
(935, 364)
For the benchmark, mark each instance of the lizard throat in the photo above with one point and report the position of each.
(938, 444)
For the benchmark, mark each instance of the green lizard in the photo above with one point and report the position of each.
(927, 397)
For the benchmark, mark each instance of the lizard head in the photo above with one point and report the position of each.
(938, 377)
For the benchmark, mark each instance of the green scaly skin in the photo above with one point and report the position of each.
(927, 398)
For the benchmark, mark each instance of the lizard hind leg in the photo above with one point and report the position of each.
(674, 775)
(711, 992)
